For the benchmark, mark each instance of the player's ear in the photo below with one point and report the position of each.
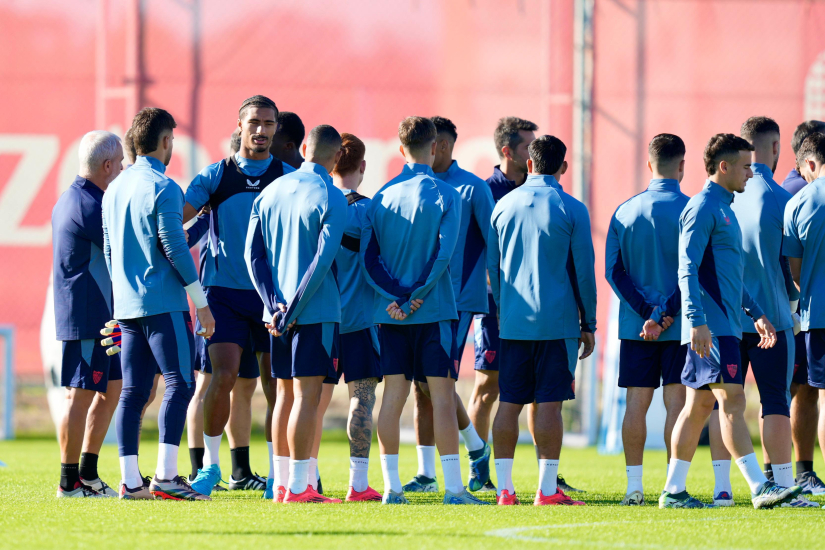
(433, 148)
(723, 167)
(304, 150)
(506, 152)
(650, 166)
(403, 154)
(564, 166)
(363, 166)
(529, 162)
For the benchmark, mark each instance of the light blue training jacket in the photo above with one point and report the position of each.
(642, 259)
(144, 244)
(357, 296)
(541, 263)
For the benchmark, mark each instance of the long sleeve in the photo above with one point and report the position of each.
(170, 233)
(374, 268)
(790, 287)
(329, 242)
(494, 263)
(694, 237)
(616, 274)
(750, 306)
(257, 263)
(107, 248)
(792, 245)
(671, 307)
(483, 205)
(584, 267)
(447, 239)
(198, 230)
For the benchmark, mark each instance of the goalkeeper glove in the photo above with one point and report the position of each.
(112, 330)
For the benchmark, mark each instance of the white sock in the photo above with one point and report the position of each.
(472, 442)
(754, 475)
(426, 461)
(783, 475)
(451, 467)
(677, 476)
(167, 461)
(271, 461)
(312, 479)
(211, 448)
(721, 473)
(281, 471)
(298, 476)
(129, 472)
(548, 470)
(667, 470)
(389, 467)
(634, 479)
(358, 470)
(504, 475)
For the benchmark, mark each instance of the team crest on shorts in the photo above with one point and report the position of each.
(732, 368)
(795, 367)
(96, 376)
(335, 364)
(490, 356)
(455, 363)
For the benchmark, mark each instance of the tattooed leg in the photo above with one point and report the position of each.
(359, 423)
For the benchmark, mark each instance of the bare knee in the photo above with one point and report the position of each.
(733, 405)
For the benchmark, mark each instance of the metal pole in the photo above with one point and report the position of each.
(7, 332)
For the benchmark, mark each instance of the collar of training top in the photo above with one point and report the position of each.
(658, 184)
(307, 166)
(762, 169)
(451, 171)
(716, 190)
(537, 180)
(416, 168)
(153, 163)
(499, 177)
(87, 185)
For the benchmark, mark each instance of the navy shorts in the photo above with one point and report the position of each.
(418, 351)
(541, 371)
(249, 360)
(460, 329)
(772, 370)
(644, 364)
(85, 365)
(359, 355)
(487, 342)
(800, 364)
(815, 340)
(238, 317)
(306, 350)
(723, 366)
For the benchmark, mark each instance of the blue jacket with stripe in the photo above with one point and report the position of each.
(541, 263)
(409, 235)
(711, 266)
(468, 266)
(642, 259)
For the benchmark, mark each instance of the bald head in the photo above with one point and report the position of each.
(323, 146)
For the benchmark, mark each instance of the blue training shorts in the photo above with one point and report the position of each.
(644, 364)
(359, 355)
(461, 328)
(487, 342)
(723, 366)
(238, 317)
(815, 340)
(541, 371)
(85, 365)
(800, 364)
(249, 360)
(418, 351)
(306, 350)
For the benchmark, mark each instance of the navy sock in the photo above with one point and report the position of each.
(196, 459)
(69, 476)
(804, 466)
(88, 466)
(240, 463)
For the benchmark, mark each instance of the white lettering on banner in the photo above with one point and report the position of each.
(38, 156)
(40, 152)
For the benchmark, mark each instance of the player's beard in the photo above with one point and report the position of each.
(260, 148)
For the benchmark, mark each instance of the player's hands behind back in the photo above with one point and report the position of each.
(207, 322)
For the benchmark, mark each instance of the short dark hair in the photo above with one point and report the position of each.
(129, 146)
(547, 153)
(290, 126)
(257, 101)
(803, 131)
(723, 145)
(665, 148)
(147, 127)
(507, 132)
(416, 132)
(353, 151)
(813, 146)
(758, 125)
(324, 140)
(444, 125)
(235, 141)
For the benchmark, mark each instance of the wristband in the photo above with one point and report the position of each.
(195, 291)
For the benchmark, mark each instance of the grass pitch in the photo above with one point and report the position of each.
(32, 518)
